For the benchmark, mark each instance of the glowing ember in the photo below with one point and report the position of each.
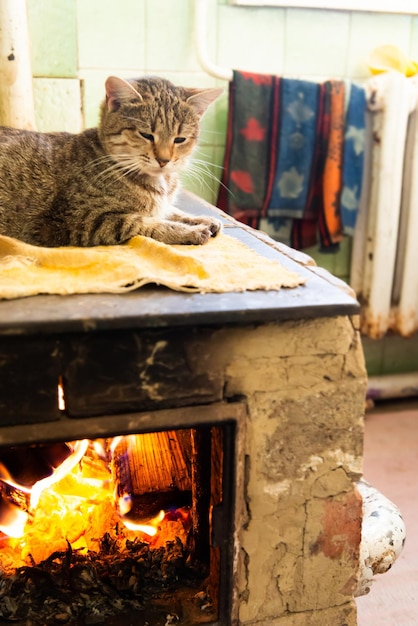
(148, 529)
(61, 399)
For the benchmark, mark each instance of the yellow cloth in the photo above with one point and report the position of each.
(223, 264)
(391, 58)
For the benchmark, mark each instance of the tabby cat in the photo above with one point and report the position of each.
(107, 184)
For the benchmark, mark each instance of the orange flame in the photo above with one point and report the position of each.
(78, 503)
(13, 519)
(149, 529)
(62, 470)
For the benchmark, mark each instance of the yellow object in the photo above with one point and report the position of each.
(391, 58)
(223, 264)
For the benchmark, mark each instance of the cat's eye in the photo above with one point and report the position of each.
(147, 136)
(179, 139)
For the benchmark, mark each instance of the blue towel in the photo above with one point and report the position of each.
(353, 158)
(296, 141)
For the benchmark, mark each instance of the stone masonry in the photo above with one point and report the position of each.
(299, 514)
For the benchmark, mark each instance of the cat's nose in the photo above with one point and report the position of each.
(162, 162)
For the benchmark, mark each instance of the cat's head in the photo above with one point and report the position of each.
(149, 125)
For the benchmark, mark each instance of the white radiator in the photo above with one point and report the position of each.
(384, 269)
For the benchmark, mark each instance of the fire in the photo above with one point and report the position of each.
(150, 529)
(61, 471)
(14, 519)
(76, 504)
(61, 397)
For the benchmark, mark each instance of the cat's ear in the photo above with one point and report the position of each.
(119, 91)
(200, 99)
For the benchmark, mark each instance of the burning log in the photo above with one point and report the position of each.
(152, 472)
(110, 569)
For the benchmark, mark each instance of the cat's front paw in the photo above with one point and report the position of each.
(212, 224)
(199, 235)
(215, 227)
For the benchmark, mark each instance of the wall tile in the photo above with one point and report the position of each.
(369, 30)
(213, 124)
(93, 93)
(111, 34)
(53, 34)
(57, 104)
(400, 355)
(316, 42)
(327, 261)
(343, 259)
(251, 39)
(169, 35)
(373, 353)
(413, 48)
(221, 118)
(337, 263)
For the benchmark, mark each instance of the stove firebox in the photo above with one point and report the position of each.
(166, 552)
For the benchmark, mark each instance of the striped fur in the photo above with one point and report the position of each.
(107, 184)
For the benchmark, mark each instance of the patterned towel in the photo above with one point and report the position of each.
(247, 156)
(354, 139)
(330, 219)
(295, 147)
(293, 163)
(305, 230)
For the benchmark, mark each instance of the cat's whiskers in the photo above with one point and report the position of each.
(123, 165)
(211, 132)
(203, 170)
(200, 174)
(132, 168)
(99, 162)
(109, 172)
(203, 167)
(207, 163)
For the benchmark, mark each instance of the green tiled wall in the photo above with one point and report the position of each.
(87, 40)
(76, 44)
(53, 33)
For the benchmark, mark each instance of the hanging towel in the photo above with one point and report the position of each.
(304, 234)
(248, 150)
(354, 140)
(305, 230)
(296, 143)
(330, 219)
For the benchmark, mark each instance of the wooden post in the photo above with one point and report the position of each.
(16, 90)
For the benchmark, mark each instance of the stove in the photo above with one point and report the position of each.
(238, 415)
